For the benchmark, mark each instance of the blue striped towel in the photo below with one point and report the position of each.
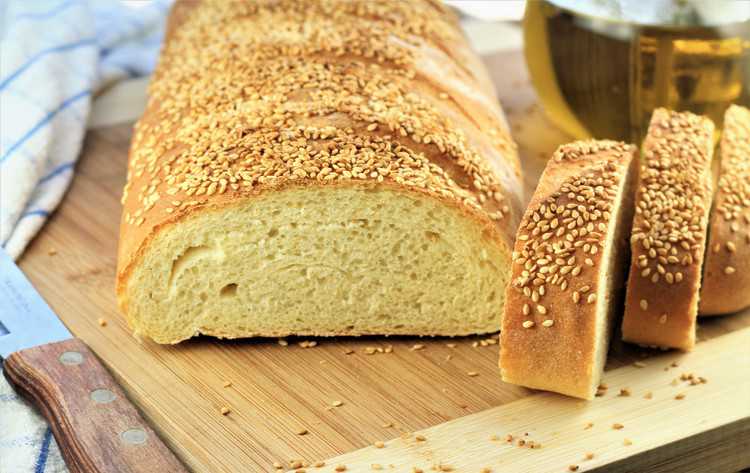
(55, 55)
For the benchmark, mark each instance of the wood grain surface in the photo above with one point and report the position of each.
(96, 426)
(340, 396)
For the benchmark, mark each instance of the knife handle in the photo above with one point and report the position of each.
(96, 426)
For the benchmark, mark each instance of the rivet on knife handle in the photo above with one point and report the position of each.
(96, 426)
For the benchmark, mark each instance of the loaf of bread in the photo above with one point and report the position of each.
(668, 239)
(568, 270)
(726, 272)
(326, 167)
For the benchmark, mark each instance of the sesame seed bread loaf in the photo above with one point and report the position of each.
(567, 279)
(669, 231)
(726, 271)
(326, 167)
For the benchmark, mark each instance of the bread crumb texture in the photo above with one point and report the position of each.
(396, 190)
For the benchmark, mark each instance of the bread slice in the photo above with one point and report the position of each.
(669, 231)
(317, 168)
(567, 276)
(726, 272)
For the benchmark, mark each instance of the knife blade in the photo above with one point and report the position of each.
(97, 428)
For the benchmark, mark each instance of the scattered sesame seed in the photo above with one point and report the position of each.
(627, 442)
(588, 425)
(376, 466)
(278, 465)
(282, 342)
(337, 403)
(450, 345)
(227, 384)
(624, 392)
(573, 468)
(417, 346)
(52, 252)
(617, 426)
(648, 395)
(420, 438)
(379, 444)
(680, 396)
(224, 410)
(319, 464)
(301, 432)
(294, 464)
(102, 322)
(472, 373)
(589, 456)
(340, 468)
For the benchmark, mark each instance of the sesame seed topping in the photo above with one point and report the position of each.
(528, 323)
(729, 270)
(262, 118)
(644, 304)
(548, 323)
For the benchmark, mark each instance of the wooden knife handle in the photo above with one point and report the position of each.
(96, 426)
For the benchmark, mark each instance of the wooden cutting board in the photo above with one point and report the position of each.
(310, 404)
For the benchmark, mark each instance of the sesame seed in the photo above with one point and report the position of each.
(729, 270)
(541, 309)
(627, 442)
(617, 426)
(227, 384)
(589, 456)
(472, 373)
(301, 432)
(528, 323)
(420, 438)
(224, 410)
(340, 468)
(680, 396)
(644, 304)
(102, 322)
(591, 298)
(379, 444)
(548, 323)
(319, 464)
(337, 403)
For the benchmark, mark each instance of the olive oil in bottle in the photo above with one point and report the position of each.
(600, 67)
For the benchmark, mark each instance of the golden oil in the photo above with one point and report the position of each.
(600, 67)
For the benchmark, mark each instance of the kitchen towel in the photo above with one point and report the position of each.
(55, 55)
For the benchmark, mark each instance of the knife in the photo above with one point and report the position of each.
(96, 426)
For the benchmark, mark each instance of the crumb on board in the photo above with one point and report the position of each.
(340, 468)
(572, 467)
(224, 410)
(618, 426)
(588, 425)
(624, 392)
(589, 456)
(302, 431)
(337, 403)
(420, 438)
(648, 395)
(227, 384)
(379, 444)
(52, 252)
(387, 425)
(680, 396)
(102, 322)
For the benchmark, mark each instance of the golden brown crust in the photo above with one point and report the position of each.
(246, 100)
(726, 272)
(549, 332)
(669, 231)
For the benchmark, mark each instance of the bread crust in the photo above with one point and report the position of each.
(465, 158)
(726, 272)
(669, 231)
(561, 357)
